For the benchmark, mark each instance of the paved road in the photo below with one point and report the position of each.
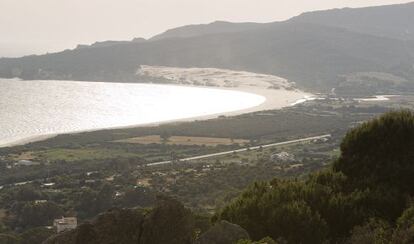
(243, 150)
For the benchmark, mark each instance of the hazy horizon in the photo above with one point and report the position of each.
(49, 25)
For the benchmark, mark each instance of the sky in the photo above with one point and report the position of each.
(41, 26)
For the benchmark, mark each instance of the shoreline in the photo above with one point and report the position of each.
(274, 99)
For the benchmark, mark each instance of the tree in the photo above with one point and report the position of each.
(277, 210)
(165, 136)
(380, 152)
(139, 196)
(86, 203)
(372, 179)
(9, 239)
(27, 193)
(39, 214)
(168, 222)
(404, 232)
(266, 240)
(36, 235)
(223, 232)
(374, 231)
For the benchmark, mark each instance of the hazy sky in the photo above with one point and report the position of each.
(39, 26)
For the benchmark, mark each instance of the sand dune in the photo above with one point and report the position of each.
(279, 92)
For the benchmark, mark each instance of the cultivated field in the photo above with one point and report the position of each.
(183, 140)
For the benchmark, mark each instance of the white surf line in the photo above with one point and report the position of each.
(242, 150)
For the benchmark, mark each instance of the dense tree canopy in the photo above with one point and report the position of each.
(363, 194)
(380, 151)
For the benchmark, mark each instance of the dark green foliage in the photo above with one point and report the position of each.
(266, 240)
(404, 236)
(407, 218)
(374, 231)
(116, 226)
(277, 210)
(93, 202)
(404, 232)
(27, 193)
(139, 196)
(378, 157)
(223, 233)
(169, 222)
(86, 234)
(380, 152)
(373, 178)
(119, 226)
(202, 223)
(36, 235)
(39, 214)
(9, 239)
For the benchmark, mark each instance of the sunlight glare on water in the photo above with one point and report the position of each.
(35, 108)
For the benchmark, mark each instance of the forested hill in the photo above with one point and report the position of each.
(316, 56)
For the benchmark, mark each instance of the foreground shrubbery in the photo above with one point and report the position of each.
(359, 200)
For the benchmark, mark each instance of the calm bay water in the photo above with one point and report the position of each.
(30, 109)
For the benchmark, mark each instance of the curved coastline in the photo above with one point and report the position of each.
(272, 99)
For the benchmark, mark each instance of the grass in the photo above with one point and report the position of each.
(23, 156)
(184, 140)
(81, 154)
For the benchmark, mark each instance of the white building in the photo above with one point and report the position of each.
(283, 157)
(26, 163)
(64, 224)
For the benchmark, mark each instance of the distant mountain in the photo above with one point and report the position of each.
(316, 56)
(394, 21)
(110, 43)
(206, 29)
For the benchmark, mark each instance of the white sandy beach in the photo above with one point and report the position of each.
(278, 92)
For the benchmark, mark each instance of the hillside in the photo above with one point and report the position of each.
(315, 56)
(369, 188)
(206, 29)
(111, 43)
(393, 21)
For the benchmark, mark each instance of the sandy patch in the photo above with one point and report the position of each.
(279, 92)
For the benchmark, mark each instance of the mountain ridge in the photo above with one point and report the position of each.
(215, 27)
(370, 20)
(317, 57)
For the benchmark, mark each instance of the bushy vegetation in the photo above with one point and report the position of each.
(359, 200)
(168, 222)
(364, 197)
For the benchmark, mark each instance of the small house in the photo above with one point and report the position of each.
(64, 224)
